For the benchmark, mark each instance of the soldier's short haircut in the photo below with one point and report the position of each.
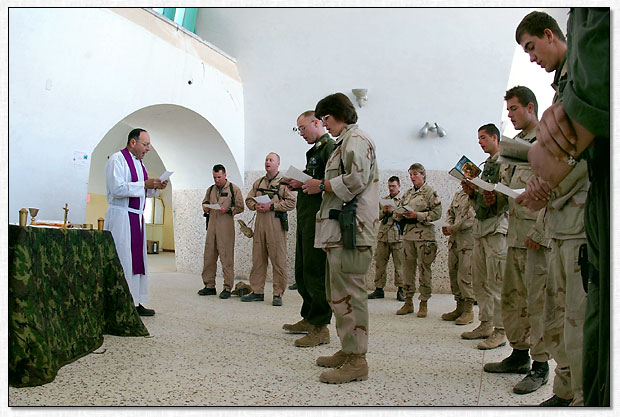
(307, 113)
(491, 129)
(524, 95)
(134, 134)
(338, 106)
(535, 24)
(418, 167)
(273, 153)
(218, 168)
(394, 178)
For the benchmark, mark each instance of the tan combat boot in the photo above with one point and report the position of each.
(407, 308)
(333, 361)
(484, 330)
(319, 335)
(453, 315)
(301, 327)
(355, 368)
(422, 311)
(497, 339)
(467, 316)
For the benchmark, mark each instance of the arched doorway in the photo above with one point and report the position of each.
(183, 142)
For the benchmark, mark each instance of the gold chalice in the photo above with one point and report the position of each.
(33, 213)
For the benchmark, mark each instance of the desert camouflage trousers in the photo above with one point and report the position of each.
(488, 261)
(459, 269)
(382, 256)
(345, 287)
(565, 311)
(523, 300)
(419, 256)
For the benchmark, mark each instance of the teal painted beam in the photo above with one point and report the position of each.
(169, 12)
(189, 22)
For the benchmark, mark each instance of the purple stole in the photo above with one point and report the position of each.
(137, 237)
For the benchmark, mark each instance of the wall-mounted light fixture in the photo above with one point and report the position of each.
(360, 95)
(441, 132)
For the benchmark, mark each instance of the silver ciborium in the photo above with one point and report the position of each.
(33, 213)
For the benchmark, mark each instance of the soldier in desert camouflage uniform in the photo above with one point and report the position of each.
(351, 180)
(421, 206)
(460, 215)
(565, 299)
(526, 266)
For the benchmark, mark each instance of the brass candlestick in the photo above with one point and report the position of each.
(33, 213)
(23, 217)
(66, 209)
(100, 223)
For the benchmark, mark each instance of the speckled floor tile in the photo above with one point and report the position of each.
(204, 351)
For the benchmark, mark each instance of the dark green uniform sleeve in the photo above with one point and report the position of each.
(586, 95)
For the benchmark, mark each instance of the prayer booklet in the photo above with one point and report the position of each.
(514, 151)
(296, 174)
(387, 202)
(464, 168)
(212, 206)
(165, 175)
(262, 198)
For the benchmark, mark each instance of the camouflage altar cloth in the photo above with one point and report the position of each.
(66, 288)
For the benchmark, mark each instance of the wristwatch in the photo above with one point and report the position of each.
(322, 185)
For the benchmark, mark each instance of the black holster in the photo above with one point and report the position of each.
(348, 223)
(283, 216)
(584, 264)
(207, 218)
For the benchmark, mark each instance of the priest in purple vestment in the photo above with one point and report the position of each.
(128, 186)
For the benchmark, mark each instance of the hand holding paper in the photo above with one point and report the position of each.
(262, 199)
(296, 174)
(163, 177)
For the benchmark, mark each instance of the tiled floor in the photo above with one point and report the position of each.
(208, 351)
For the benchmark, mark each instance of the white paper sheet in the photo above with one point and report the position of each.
(387, 202)
(166, 175)
(509, 191)
(212, 206)
(262, 199)
(296, 174)
(482, 184)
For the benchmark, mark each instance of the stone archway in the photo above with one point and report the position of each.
(183, 142)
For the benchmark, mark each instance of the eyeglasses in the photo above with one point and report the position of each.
(324, 118)
(300, 129)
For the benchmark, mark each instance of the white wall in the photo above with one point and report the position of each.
(75, 73)
(447, 65)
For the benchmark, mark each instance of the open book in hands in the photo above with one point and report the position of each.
(464, 168)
